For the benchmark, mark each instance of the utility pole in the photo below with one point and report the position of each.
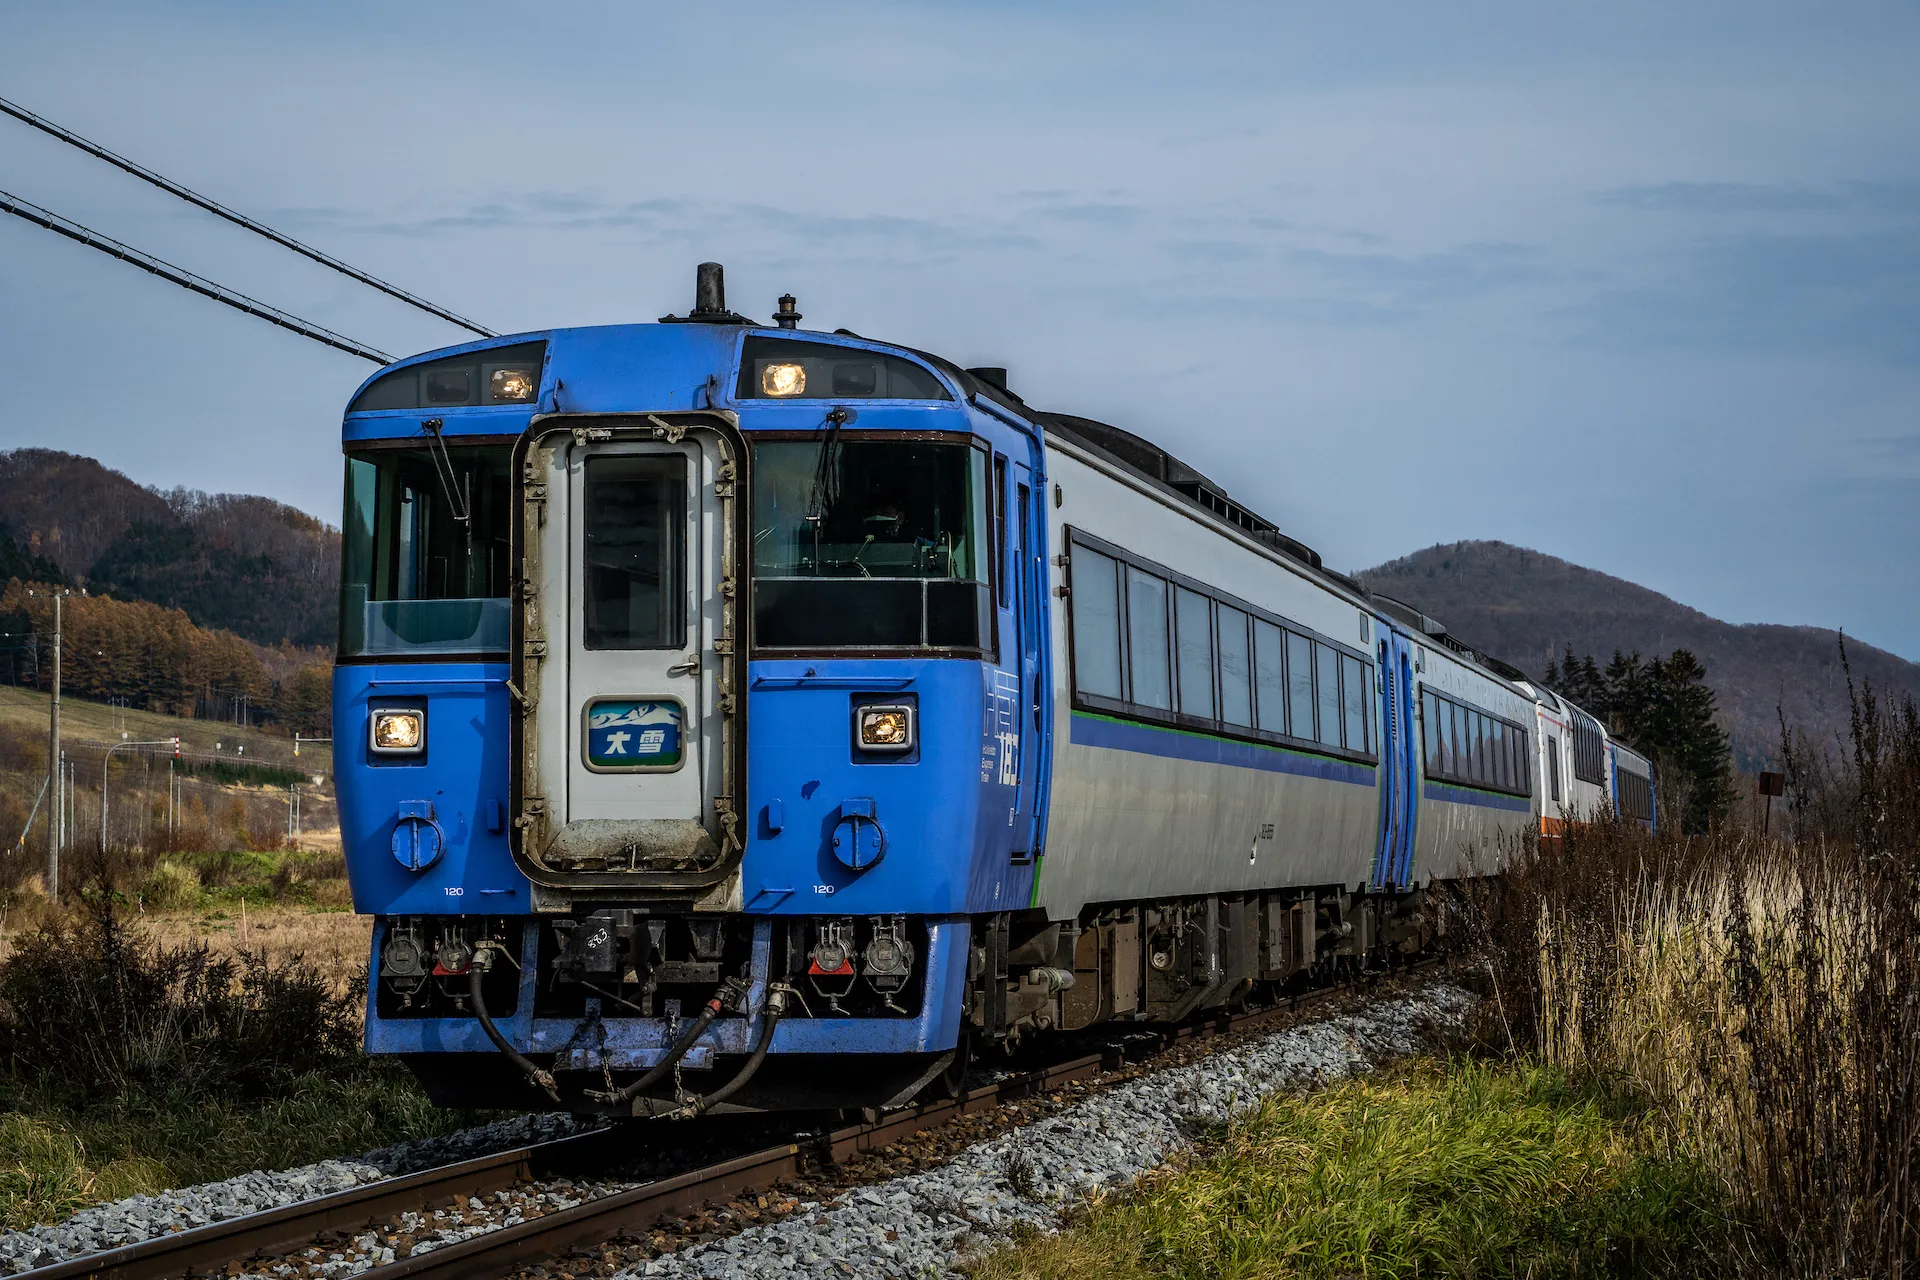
(57, 829)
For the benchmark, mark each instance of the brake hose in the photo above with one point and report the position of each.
(476, 970)
(776, 1005)
(710, 1011)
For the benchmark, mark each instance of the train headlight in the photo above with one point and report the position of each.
(511, 386)
(885, 728)
(398, 732)
(783, 379)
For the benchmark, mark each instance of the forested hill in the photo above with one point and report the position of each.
(233, 562)
(1529, 609)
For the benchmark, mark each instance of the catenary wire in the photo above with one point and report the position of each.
(186, 279)
(239, 219)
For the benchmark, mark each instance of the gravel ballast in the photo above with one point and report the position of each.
(916, 1224)
(124, 1222)
(920, 1224)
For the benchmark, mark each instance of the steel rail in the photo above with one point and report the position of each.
(277, 1232)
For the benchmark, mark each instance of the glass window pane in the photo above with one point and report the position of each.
(1355, 687)
(1326, 679)
(1236, 675)
(634, 524)
(1147, 640)
(1502, 766)
(870, 509)
(1429, 731)
(1299, 686)
(418, 578)
(1096, 624)
(1193, 619)
(1457, 755)
(1269, 653)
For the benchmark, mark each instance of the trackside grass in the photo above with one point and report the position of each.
(1434, 1170)
(59, 1153)
(130, 1064)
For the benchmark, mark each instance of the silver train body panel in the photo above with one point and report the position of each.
(1125, 823)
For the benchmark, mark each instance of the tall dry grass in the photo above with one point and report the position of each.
(1764, 992)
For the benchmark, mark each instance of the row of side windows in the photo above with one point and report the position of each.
(1150, 646)
(1465, 744)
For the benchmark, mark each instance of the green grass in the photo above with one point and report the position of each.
(1435, 1170)
(98, 722)
(57, 1157)
(217, 883)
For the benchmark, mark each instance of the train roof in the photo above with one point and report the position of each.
(1131, 452)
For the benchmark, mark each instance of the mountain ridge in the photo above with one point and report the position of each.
(236, 562)
(1527, 608)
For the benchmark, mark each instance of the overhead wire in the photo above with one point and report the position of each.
(238, 219)
(186, 279)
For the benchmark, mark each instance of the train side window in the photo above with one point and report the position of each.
(1326, 682)
(1096, 624)
(1299, 686)
(1193, 637)
(1147, 640)
(1270, 667)
(1553, 767)
(1236, 686)
(1462, 744)
(1002, 548)
(1430, 730)
(1502, 765)
(1353, 691)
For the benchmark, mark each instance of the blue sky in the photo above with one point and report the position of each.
(1634, 284)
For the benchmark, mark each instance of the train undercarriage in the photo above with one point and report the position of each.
(635, 1011)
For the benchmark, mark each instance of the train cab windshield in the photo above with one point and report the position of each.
(426, 565)
(870, 544)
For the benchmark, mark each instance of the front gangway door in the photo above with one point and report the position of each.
(628, 752)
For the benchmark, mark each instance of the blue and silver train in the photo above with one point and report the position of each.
(735, 716)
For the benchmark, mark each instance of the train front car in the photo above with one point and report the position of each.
(690, 714)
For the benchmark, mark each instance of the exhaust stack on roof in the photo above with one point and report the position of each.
(709, 299)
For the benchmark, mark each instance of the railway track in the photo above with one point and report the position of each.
(252, 1241)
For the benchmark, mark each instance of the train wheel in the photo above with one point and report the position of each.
(952, 1080)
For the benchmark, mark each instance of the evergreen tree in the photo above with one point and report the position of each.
(1663, 709)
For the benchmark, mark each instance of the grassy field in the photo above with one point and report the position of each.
(191, 1008)
(198, 1039)
(97, 722)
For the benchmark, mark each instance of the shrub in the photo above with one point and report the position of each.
(171, 886)
(121, 1014)
(1765, 993)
